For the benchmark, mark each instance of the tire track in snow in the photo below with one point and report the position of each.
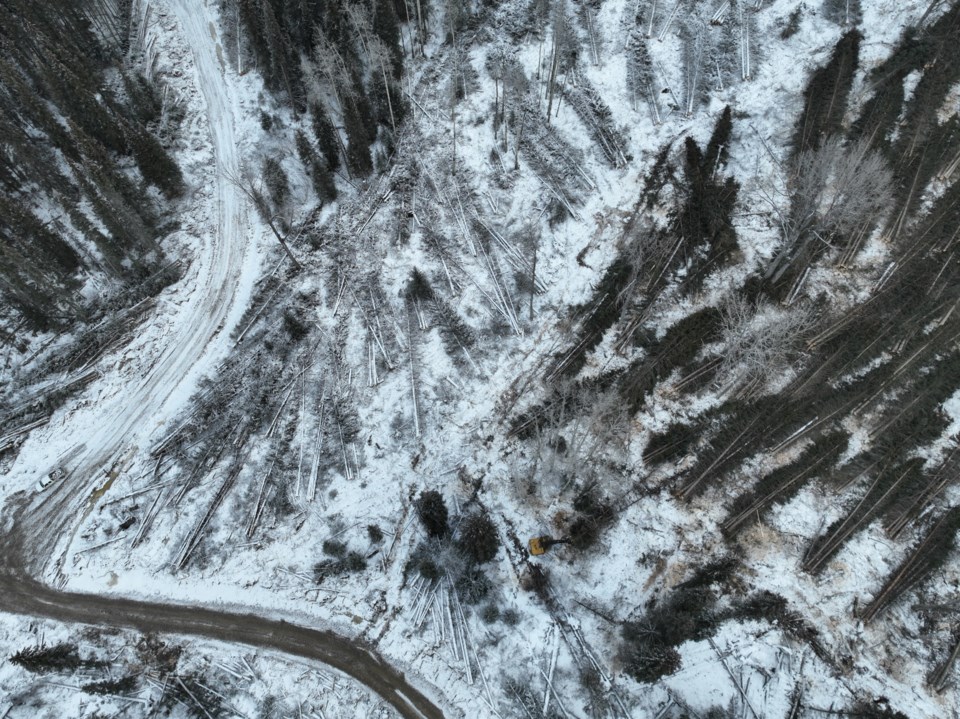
(124, 413)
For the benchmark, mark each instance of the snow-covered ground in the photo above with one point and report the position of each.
(110, 428)
(457, 441)
(249, 684)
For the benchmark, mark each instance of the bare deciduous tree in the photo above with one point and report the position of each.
(331, 66)
(843, 187)
(761, 343)
(837, 191)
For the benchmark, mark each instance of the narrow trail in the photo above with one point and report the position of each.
(141, 394)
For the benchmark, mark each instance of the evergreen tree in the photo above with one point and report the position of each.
(275, 178)
(281, 70)
(477, 538)
(250, 18)
(320, 176)
(336, 29)
(432, 511)
(304, 149)
(145, 101)
(825, 99)
(156, 165)
(386, 27)
(360, 127)
(324, 131)
(388, 111)
(323, 183)
(300, 17)
(719, 145)
(59, 657)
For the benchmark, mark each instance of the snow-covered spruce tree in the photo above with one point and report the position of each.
(316, 169)
(477, 537)
(432, 511)
(327, 140)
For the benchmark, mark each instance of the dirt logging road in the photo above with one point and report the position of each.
(21, 594)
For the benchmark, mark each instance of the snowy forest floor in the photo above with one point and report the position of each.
(435, 311)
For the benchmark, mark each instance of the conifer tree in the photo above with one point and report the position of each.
(156, 165)
(336, 29)
(718, 146)
(477, 538)
(278, 185)
(59, 657)
(320, 176)
(281, 74)
(324, 131)
(361, 131)
(250, 18)
(432, 511)
(386, 27)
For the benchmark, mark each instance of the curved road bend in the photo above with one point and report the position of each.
(127, 420)
(21, 594)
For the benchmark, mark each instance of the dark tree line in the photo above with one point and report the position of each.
(68, 209)
(700, 239)
(354, 50)
(825, 99)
